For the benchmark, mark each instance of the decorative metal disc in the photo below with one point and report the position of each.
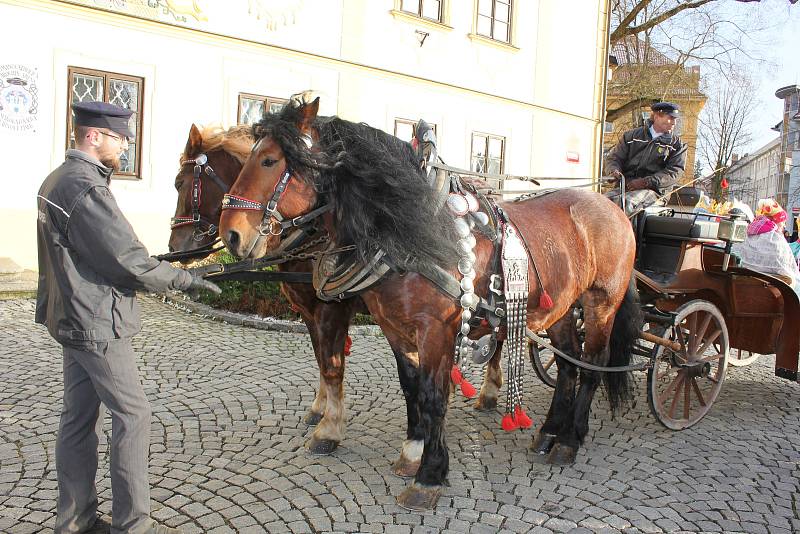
(481, 217)
(465, 266)
(467, 284)
(201, 159)
(462, 227)
(485, 349)
(472, 202)
(457, 204)
(464, 246)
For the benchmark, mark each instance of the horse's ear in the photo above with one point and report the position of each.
(308, 113)
(195, 141)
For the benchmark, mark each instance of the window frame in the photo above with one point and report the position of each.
(267, 100)
(413, 124)
(493, 18)
(418, 13)
(487, 137)
(106, 76)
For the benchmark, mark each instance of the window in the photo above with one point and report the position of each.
(494, 19)
(405, 129)
(488, 153)
(119, 89)
(253, 107)
(608, 127)
(426, 9)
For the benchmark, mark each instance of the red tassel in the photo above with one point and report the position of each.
(414, 143)
(545, 302)
(521, 418)
(724, 183)
(508, 423)
(455, 375)
(467, 389)
(348, 344)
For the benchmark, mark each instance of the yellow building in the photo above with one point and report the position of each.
(507, 89)
(642, 76)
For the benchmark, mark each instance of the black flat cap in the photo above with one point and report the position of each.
(673, 110)
(103, 115)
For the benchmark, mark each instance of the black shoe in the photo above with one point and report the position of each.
(101, 526)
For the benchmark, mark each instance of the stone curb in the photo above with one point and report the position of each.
(182, 302)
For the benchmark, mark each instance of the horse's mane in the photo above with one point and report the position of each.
(236, 140)
(381, 197)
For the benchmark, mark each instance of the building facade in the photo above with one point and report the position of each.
(507, 89)
(757, 175)
(789, 160)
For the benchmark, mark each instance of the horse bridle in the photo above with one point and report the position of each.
(200, 166)
(273, 222)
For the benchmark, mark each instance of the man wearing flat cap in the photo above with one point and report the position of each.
(90, 266)
(650, 158)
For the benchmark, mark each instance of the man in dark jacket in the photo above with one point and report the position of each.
(90, 266)
(650, 158)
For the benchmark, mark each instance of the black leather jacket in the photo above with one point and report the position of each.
(90, 261)
(660, 161)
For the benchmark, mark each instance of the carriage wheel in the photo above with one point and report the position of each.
(740, 358)
(544, 359)
(683, 385)
(544, 362)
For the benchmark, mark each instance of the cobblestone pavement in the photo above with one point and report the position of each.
(227, 445)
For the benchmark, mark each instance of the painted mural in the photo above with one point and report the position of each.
(217, 16)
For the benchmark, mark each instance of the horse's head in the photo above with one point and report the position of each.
(208, 167)
(275, 183)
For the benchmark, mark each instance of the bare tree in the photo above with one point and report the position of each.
(672, 34)
(725, 127)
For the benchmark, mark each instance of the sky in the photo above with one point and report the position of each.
(786, 71)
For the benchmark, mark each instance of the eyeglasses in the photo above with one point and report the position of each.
(117, 137)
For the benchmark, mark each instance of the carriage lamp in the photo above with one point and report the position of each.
(731, 230)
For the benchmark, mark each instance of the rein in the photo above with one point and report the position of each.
(200, 166)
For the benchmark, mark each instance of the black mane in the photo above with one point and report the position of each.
(381, 198)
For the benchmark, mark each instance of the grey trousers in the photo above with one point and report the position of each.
(634, 200)
(103, 373)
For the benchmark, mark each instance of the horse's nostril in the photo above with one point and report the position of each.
(233, 238)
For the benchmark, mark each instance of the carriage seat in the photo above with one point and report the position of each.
(660, 241)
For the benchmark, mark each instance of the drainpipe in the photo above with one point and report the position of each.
(606, 52)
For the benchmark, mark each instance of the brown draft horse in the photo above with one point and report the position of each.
(582, 244)
(327, 322)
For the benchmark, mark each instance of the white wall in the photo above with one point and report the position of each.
(367, 66)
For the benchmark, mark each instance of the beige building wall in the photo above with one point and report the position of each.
(541, 92)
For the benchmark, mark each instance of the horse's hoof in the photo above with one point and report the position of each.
(405, 468)
(486, 404)
(562, 455)
(321, 447)
(419, 498)
(312, 418)
(543, 443)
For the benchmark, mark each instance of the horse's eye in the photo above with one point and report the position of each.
(268, 162)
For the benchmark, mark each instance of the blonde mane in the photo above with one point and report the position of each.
(236, 141)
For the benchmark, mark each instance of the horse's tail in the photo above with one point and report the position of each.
(627, 325)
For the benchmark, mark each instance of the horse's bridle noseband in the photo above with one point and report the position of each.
(272, 221)
(200, 166)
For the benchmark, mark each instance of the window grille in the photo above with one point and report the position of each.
(119, 89)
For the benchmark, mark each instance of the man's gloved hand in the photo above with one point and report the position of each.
(199, 283)
(637, 184)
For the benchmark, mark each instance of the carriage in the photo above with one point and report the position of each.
(702, 312)
(363, 187)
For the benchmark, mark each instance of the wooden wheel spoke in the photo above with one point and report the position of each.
(687, 400)
(698, 393)
(712, 338)
(679, 382)
(550, 363)
(691, 327)
(701, 331)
